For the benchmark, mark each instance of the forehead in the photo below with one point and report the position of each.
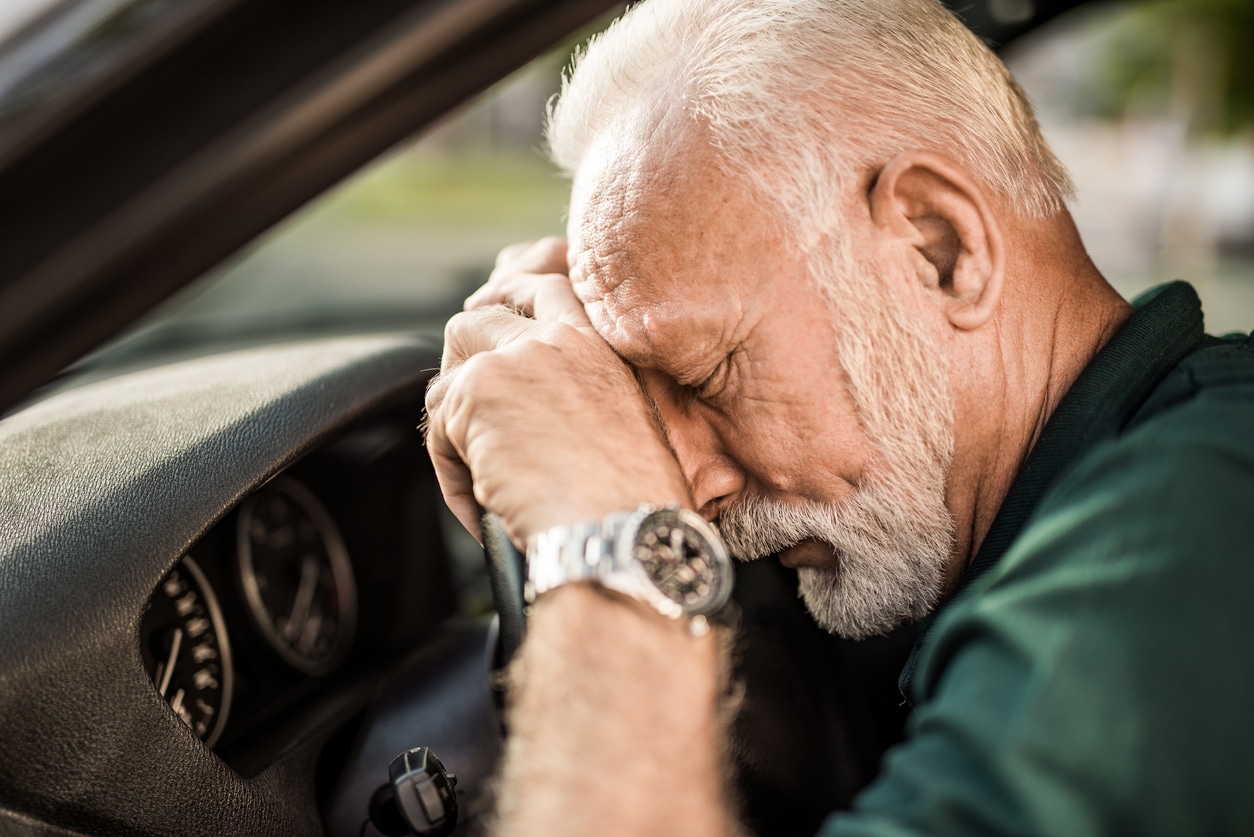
(666, 250)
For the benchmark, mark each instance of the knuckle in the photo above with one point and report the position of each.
(565, 337)
(551, 244)
(479, 371)
(436, 390)
(512, 251)
(453, 327)
(456, 330)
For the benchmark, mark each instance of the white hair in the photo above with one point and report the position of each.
(804, 102)
(807, 99)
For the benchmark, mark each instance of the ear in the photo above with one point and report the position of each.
(936, 209)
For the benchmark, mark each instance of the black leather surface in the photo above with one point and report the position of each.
(101, 491)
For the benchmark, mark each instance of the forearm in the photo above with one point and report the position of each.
(616, 723)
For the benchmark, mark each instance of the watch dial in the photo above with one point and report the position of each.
(186, 652)
(678, 560)
(296, 576)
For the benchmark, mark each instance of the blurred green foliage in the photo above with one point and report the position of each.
(470, 179)
(1192, 58)
(438, 188)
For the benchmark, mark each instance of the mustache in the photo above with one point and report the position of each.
(871, 521)
(757, 527)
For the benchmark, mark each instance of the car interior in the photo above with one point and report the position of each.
(231, 600)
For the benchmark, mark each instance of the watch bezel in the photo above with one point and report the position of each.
(718, 559)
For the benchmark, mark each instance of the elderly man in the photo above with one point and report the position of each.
(821, 287)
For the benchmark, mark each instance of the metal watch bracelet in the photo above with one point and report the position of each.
(576, 552)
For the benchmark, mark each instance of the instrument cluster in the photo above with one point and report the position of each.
(300, 594)
(336, 566)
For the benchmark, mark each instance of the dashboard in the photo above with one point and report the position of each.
(212, 573)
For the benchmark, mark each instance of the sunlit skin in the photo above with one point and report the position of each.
(729, 338)
(676, 271)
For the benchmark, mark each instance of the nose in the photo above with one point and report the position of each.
(714, 477)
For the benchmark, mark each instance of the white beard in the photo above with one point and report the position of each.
(891, 543)
(893, 536)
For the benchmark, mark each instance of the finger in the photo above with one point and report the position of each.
(548, 255)
(513, 265)
(471, 332)
(511, 253)
(547, 297)
(556, 302)
(458, 490)
(513, 290)
(454, 477)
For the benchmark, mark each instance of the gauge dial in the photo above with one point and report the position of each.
(186, 651)
(296, 576)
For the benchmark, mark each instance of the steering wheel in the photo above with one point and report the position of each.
(507, 567)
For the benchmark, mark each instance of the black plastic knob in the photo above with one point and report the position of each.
(421, 797)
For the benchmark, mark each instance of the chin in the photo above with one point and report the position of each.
(853, 616)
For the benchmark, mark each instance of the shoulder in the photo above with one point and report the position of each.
(1168, 500)
(1167, 488)
(1149, 536)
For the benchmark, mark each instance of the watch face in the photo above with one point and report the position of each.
(688, 566)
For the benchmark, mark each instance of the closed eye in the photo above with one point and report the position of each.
(715, 383)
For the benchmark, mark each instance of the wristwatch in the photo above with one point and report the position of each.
(667, 557)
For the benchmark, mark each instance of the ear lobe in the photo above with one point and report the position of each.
(932, 206)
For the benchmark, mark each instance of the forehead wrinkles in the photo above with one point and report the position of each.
(655, 228)
(620, 226)
(609, 222)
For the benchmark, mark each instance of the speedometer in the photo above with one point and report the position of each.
(296, 576)
(186, 651)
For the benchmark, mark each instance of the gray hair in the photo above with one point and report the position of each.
(809, 99)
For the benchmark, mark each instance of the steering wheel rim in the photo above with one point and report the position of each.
(507, 568)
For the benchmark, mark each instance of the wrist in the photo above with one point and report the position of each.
(608, 694)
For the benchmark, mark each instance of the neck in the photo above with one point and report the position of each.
(1057, 312)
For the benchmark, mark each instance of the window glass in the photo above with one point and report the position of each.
(1150, 105)
(396, 248)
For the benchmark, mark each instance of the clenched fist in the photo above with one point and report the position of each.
(533, 416)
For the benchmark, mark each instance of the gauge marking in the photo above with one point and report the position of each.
(187, 652)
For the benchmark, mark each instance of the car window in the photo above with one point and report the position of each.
(1149, 105)
(398, 247)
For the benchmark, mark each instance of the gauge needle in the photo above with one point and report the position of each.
(168, 668)
(309, 636)
(304, 598)
(177, 706)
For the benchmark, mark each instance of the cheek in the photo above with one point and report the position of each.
(811, 445)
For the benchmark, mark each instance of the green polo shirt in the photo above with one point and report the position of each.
(1094, 674)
